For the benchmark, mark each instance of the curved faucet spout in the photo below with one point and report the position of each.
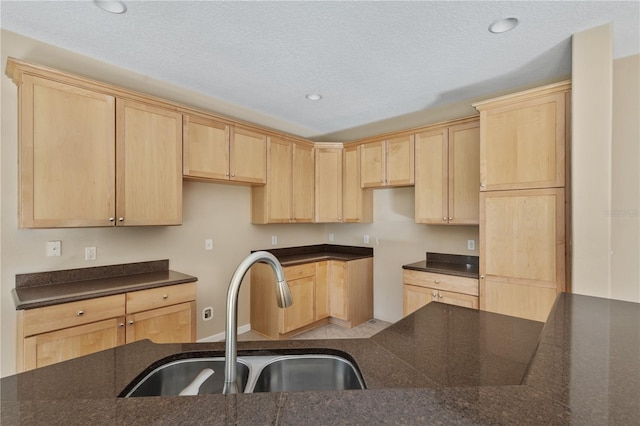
(283, 296)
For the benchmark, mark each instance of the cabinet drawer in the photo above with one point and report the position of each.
(441, 282)
(49, 318)
(298, 271)
(143, 300)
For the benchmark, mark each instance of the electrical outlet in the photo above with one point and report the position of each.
(208, 244)
(365, 239)
(471, 244)
(274, 240)
(90, 253)
(331, 238)
(53, 248)
(207, 313)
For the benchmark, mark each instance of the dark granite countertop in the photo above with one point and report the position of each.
(441, 365)
(40, 289)
(449, 264)
(304, 254)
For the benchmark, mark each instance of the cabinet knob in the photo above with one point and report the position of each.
(440, 296)
(437, 281)
(165, 297)
(482, 277)
(111, 219)
(450, 219)
(434, 294)
(233, 175)
(121, 219)
(482, 185)
(387, 180)
(80, 313)
(121, 325)
(226, 174)
(130, 322)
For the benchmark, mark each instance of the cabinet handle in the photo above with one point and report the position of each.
(121, 219)
(450, 219)
(80, 313)
(482, 185)
(121, 325)
(444, 219)
(387, 180)
(130, 322)
(226, 174)
(440, 296)
(165, 297)
(233, 175)
(437, 281)
(482, 277)
(111, 219)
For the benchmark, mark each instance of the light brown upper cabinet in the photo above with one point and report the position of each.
(89, 159)
(288, 196)
(387, 162)
(447, 174)
(218, 151)
(522, 140)
(357, 203)
(328, 184)
(149, 165)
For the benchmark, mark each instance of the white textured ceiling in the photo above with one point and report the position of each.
(370, 60)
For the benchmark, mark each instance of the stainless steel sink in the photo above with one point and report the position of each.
(308, 373)
(260, 373)
(173, 377)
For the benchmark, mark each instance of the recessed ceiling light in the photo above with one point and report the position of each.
(111, 6)
(314, 97)
(503, 25)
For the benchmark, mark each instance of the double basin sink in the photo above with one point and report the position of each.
(256, 373)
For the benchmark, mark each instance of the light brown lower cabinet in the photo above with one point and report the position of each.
(61, 332)
(421, 288)
(322, 292)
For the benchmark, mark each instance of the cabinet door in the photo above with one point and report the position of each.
(206, 148)
(338, 290)
(372, 165)
(302, 311)
(357, 203)
(280, 178)
(415, 298)
(172, 324)
(61, 345)
(149, 164)
(464, 174)
(303, 183)
(522, 144)
(522, 251)
(67, 155)
(328, 184)
(248, 156)
(431, 177)
(400, 161)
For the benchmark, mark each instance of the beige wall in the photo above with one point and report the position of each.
(591, 161)
(625, 174)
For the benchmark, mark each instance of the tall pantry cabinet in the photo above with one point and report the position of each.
(523, 143)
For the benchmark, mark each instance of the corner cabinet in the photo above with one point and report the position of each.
(340, 292)
(90, 158)
(387, 162)
(357, 203)
(447, 175)
(61, 332)
(217, 151)
(328, 184)
(288, 196)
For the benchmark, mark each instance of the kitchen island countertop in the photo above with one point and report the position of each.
(441, 365)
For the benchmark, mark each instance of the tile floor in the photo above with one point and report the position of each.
(330, 331)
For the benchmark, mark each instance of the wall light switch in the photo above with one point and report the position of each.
(331, 238)
(471, 244)
(208, 244)
(365, 239)
(274, 240)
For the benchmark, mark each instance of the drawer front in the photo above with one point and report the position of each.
(441, 282)
(144, 300)
(57, 317)
(298, 271)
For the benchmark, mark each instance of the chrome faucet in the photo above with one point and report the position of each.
(283, 297)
